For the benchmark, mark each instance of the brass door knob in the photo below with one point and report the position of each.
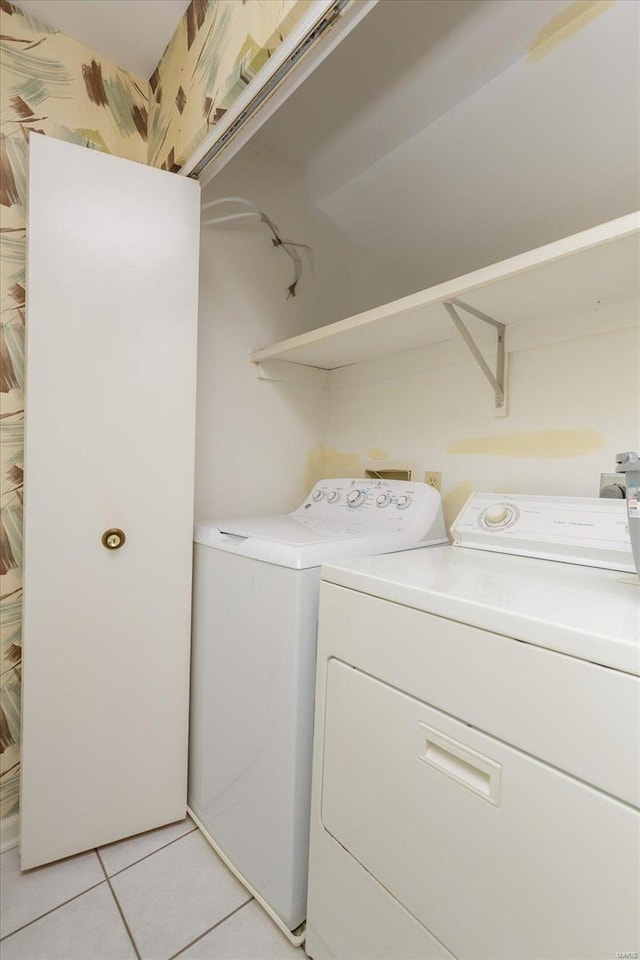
(113, 538)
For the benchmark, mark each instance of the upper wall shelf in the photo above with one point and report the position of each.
(593, 265)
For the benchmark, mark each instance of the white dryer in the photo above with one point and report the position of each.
(476, 776)
(255, 613)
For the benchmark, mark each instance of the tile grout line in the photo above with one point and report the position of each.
(107, 880)
(119, 908)
(204, 934)
(147, 855)
(52, 910)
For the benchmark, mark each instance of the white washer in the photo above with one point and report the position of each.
(255, 614)
(476, 758)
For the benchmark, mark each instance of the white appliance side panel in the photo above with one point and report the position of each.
(111, 356)
(577, 716)
(252, 695)
(497, 854)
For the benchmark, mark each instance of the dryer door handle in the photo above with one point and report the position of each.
(460, 762)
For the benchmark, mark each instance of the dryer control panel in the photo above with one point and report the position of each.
(587, 530)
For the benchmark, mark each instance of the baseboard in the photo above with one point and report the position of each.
(9, 832)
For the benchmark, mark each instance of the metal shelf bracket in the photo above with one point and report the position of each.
(497, 382)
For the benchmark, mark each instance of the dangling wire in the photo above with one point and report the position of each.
(289, 246)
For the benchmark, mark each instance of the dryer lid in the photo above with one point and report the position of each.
(577, 610)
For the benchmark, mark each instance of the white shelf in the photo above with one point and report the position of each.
(597, 264)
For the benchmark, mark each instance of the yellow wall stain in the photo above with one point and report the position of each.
(325, 462)
(455, 500)
(543, 444)
(565, 25)
(375, 453)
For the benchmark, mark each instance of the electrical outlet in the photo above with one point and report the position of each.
(433, 479)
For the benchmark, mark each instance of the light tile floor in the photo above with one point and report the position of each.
(157, 896)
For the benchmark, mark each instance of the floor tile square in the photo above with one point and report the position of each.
(175, 895)
(248, 935)
(26, 896)
(123, 853)
(88, 928)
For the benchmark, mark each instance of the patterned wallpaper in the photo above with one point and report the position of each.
(56, 86)
(218, 47)
(51, 84)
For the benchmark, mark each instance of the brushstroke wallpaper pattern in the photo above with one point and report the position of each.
(217, 49)
(51, 84)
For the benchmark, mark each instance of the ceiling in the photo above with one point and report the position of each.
(372, 94)
(131, 33)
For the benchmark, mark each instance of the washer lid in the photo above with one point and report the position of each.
(339, 519)
(294, 531)
(301, 544)
(581, 611)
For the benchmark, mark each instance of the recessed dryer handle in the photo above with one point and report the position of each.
(468, 767)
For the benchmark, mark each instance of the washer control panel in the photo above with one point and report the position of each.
(374, 502)
(588, 530)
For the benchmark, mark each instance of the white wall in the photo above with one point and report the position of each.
(254, 437)
(573, 397)
(573, 403)
(544, 149)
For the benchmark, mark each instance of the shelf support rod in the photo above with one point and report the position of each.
(497, 381)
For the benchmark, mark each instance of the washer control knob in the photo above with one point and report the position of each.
(356, 497)
(403, 502)
(318, 494)
(383, 500)
(498, 515)
(333, 496)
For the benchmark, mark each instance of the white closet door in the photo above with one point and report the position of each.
(110, 392)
